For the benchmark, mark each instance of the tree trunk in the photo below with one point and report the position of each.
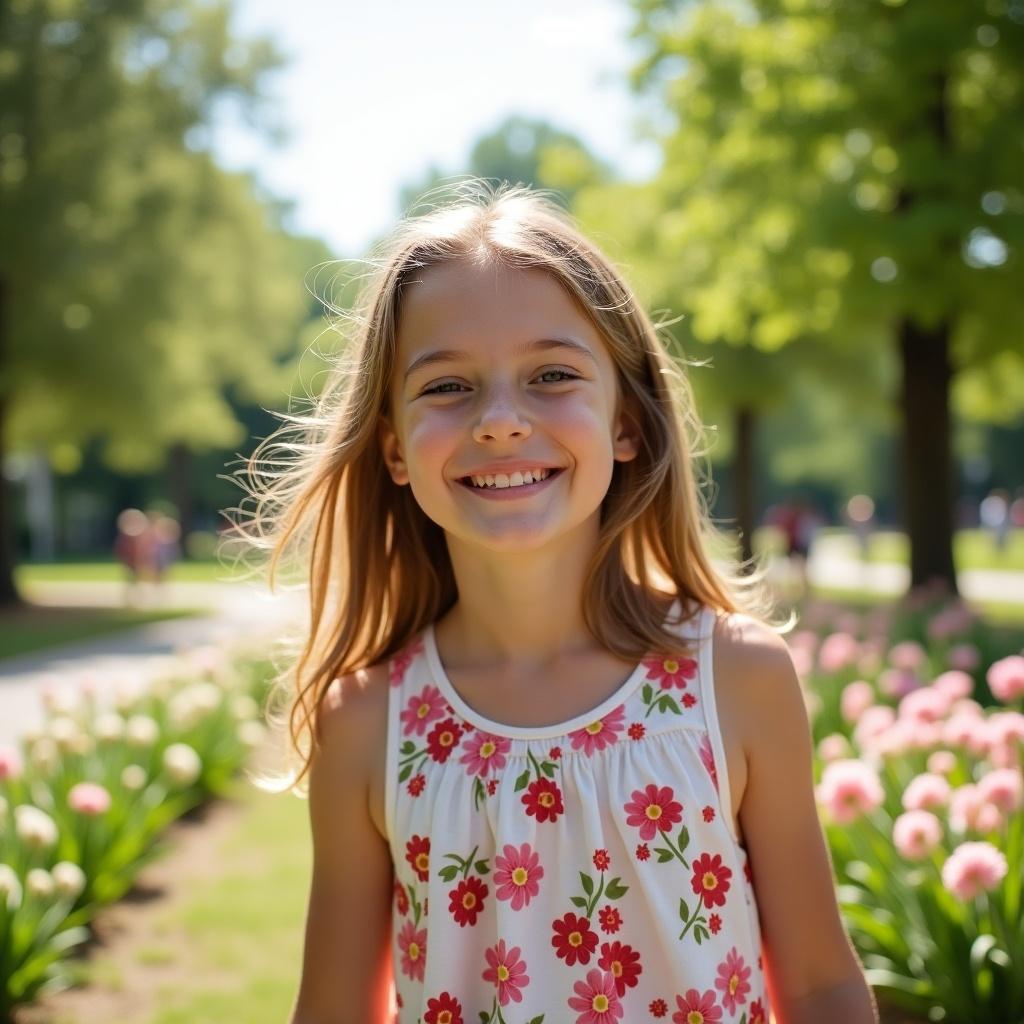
(927, 490)
(746, 514)
(8, 593)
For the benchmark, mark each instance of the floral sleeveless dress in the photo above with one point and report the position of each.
(580, 873)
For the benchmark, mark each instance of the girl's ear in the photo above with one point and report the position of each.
(627, 434)
(391, 451)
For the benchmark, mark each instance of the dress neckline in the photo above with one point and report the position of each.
(556, 729)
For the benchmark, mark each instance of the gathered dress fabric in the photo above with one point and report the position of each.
(586, 872)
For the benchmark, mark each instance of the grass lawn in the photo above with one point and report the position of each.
(35, 627)
(972, 549)
(113, 572)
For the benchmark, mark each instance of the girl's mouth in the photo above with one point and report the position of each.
(504, 493)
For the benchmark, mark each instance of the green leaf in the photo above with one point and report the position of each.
(405, 773)
(448, 872)
(484, 1017)
(577, 901)
(588, 884)
(537, 1020)
(647, 693)
(407, 747)
(548, 769)
(663, 854)
(615, 889)
(482, 867)
(666, 703)
(684, 838)
(523, 781)
(684, 910)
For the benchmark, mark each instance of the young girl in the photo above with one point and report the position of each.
(559, 768)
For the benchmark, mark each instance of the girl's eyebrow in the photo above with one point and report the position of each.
(448, 355)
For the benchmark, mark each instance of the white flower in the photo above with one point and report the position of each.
(133, 776)
(44, 754)
(182, 764)
(141, 731)
(68, 878)
(59, 700)
(34, 827)
(251, 734)
(10, 887)
(243, 707)
(109, 727)
(39, 883)
(64, 732)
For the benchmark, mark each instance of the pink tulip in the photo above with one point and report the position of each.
(926, 791)
(925, 705)
(11, 765)
(915, 834)
(908, 656)
(1004, 788)
(973, 868)
(872, 723)
(1006, 678)
(965, 657)
(836, 652)
(955, 684)
(834, 747)
(856, 698)
(848, 789)
(965, 804)
(88, 798)
(942, 762)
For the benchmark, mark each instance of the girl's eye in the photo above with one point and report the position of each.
(436, 389)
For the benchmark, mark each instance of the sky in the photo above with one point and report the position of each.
(378, 90)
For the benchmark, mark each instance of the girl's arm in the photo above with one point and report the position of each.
(346, 972)
(813, 973)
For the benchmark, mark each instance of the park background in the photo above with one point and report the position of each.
(822, 200)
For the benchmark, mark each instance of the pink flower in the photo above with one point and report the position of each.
(942, 762)
(915, 834)
(596, 999)
(965, 657)
(507, 971)
(973, 868)
(11, 765)
(707, 758)
(653, 809)
(834, 747)
(413, 946)
(696, 1007)
(849, 788)
(929, 704)
(872, 723)
(908, 656)
(836, 652)
(732, 980)
(484, 753)
(967, 731)
(422, 709)
(856, 698)
(965, 804)
(926, 791)
(955, 684)
(1004, 788)
(517, 875)
(1006, 678)
(897, 682)
(88, 798)
(600, 734)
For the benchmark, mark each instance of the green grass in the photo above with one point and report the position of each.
(113, 572)
(35, 627)
(972, 549)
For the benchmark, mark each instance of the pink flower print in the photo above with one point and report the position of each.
(507, 972)
(653, 809)
(671, 672)
(517, 875)
(695, 1008)
(401, 661)
(732, 980)
(413, 945)
(623, 963)
(423, 708)
(596, 999)
(600, 734)
(711, 880)
(707, 758)
(484, 753)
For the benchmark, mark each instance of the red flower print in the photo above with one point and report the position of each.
(671, 672)
(695, 1008)
(401, 899)
(757, 1014)
(623, 962)
(417, 853)
(732, 980)
(658, 1008)
(413, 945)
(596, 999)
(445, 1009)
(637, 730)
(746, 871)
(711, 880)
(492, 786)
(611, 920)
(401, 661)
(643, 852)
(653, 809)
(573, 940)
(715, 924)
(517, 875)
(708, 813)
(688, 700)
(466, 900)
(601, 860)
(543, 800)
(600, 734)
(443, 739)
(708, 758)
(507, 971)
(555, 753)
(422, 709)
(485, 753)
(417, 784)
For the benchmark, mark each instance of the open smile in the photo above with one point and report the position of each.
(510, 493)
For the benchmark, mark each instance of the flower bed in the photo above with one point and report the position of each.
(84, 800)
(917, 718)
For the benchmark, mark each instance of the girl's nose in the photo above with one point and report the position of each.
(499, 419)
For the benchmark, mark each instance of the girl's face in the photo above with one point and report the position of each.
(481, 385)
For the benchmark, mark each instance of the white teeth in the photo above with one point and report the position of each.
(517, 479)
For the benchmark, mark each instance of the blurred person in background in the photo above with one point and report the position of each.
(133, 548)
(994, 513)
(166, 545)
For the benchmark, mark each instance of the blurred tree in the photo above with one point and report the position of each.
(850, 172)
(137, 279)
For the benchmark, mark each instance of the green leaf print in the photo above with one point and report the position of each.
(405, 773)
(548, 768)
(523, 780)
(615, 889)
(482, 867)
(578, 901)
(698, 922)
(588, 884)
(407, 747)
(663, 854)
(647, 693)
(667, 703)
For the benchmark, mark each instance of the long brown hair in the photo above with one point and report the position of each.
(377, 567)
